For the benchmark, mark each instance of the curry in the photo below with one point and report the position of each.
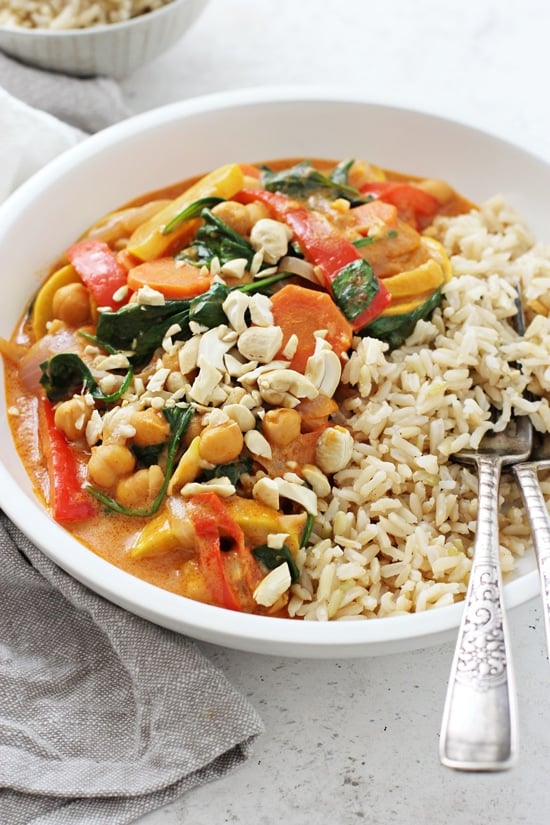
(174, 387)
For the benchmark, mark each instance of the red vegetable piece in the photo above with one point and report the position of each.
(100, 270)
(414, 205)
(68, 500)
(212, 522)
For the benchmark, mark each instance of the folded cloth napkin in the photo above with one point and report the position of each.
(103, 715)
(90, 104)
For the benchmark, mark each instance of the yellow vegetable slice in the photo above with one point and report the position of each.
(425, 278)
(156, 539)
(148, 241)
(406, 305)
(255, 519)
(411, 288)
(42, 311)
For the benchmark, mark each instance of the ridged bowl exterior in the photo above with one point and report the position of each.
(114, 50)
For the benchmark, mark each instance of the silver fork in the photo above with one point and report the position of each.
(539, 519)
(479, 727)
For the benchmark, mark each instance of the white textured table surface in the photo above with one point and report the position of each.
(356, 741)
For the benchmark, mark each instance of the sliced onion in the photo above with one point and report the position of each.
(297, 266)
(42, 350)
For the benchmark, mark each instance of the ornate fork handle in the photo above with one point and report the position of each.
(479, 721)
(539, 519)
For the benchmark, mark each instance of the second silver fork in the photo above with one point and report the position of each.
(539, 518)
(478, 731)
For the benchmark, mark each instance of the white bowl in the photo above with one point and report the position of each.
(113, 50)
(145, 153)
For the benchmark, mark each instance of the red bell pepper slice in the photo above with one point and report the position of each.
(415, 206)
(211, 522)
(68, 500)
(323, 247)
(100, 270)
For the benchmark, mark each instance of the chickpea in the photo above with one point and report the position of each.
(72, 416)
(256, 211)
(281, 426)
(108, 463)
(141, 488)
(221, 443)
(234, 214)
(151, 427)
(71, 304)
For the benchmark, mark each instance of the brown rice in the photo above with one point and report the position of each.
(74, 14)
(396, 534)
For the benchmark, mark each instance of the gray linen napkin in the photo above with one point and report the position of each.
(103, 715)
(90, 104)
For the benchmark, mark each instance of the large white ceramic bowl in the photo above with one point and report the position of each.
(114, 50)
(151, 150)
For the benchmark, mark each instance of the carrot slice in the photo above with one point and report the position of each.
(374, 214)
(301, 311)
(175, 279)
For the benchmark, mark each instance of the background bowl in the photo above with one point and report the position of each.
(145, 153)
(114, 50)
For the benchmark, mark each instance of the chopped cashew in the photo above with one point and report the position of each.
(272, 237)
(260, 343)
(273, 586)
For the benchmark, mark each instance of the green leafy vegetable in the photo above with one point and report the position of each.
(303, 179)
(149, 455)
(355, 287)
(395, 329)
(179, 419)
(308, 529)
(340, 173)
(368, 239)
(232, 471)
(66, 373)
(215, 239)
(206, 309)
(192, 211)
(140, 328)
(272, 558)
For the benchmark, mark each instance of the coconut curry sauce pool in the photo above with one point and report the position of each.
(173, 390)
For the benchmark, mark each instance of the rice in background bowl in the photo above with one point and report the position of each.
(159, 135)
(76, 14)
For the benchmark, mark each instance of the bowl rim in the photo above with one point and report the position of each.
(99, 28)
(287, 637)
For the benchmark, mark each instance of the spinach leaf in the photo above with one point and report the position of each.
(272, 557)
(140, 328)
(303, 179)
(206, 309)
(232, 471)
(192, 211)
(395, 329)
(179, 419)
(354, 288)
(215, 239)
(146, 456)
(66, 373)
(308, 529)
(340, 173)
